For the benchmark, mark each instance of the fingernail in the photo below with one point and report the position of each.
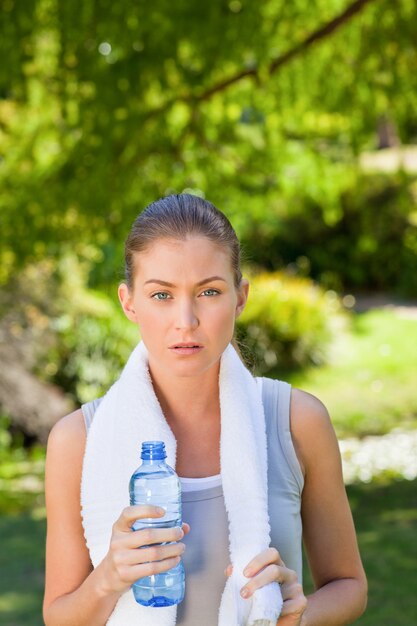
(247, 571)
(160, 510)
(244, 593)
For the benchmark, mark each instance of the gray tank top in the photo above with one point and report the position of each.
(207, 545)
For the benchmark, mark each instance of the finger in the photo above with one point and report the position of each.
(186, 528)
(269, 574)
(291, 590)
(261, 560)
(130, 514)
(152, 553)
(295, 604)
(156, 567)
(130, 574)
(149, 536)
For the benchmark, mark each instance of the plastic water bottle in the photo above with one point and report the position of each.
(156, 483)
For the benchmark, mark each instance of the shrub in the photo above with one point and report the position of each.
(93, 337)
(369, 244)
(64, 333)
(92, 350)
(288, 322)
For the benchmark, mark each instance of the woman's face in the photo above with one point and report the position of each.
(184, 292)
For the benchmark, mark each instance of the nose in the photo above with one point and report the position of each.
(186, 315)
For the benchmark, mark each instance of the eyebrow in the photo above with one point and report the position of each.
(201, 282)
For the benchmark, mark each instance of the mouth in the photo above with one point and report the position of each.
(186, 345)
(186, 348)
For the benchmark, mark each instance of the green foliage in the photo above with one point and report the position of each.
(364, 239)
(288, 322)
(21, 472)
(5, 436)
(67, 334)
(369, 383)
(107, 106)
(92, 338)
(92, 350)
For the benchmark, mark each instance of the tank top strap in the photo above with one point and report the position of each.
(276, 397)
(88, 409)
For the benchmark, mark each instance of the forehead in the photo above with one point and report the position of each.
(193, 256)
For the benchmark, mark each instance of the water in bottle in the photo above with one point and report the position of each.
(156, 483)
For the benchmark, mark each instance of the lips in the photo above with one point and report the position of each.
(186, 345)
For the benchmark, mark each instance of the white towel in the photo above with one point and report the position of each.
(129, 414)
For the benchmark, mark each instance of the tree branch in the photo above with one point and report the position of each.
(315, 36)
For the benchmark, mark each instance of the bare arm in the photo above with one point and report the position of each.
(75, 593)
(329, 533)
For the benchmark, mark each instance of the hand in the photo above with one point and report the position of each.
(268, 567)
(124, 563)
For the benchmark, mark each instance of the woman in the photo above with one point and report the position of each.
(184, 286)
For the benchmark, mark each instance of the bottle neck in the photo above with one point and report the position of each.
(153, 462)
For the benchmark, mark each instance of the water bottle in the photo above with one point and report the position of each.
(156, 483)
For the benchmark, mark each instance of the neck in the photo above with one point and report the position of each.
(188, 400)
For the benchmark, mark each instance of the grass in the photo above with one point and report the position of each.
(369, 387)
(386, 520)
(22, 569)
(386, 524)
(22, 532)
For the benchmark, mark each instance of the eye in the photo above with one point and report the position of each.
(211, 292)
(164, 295)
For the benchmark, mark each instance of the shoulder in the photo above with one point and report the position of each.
(70, 426)
(68, 437)
(307, 410)
(63, 467)
(311, 428)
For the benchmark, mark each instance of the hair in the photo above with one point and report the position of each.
(175, 217)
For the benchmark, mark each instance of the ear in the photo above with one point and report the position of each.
(126, 300)
(242, 296)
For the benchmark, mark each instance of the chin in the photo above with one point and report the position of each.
(190, 369)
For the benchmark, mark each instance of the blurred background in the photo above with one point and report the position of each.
(298, 120)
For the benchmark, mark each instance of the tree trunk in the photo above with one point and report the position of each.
(33, 406)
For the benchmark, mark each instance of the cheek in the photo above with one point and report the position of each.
(155, 319)
(149, 317)
(144, 313)
(223, 318)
